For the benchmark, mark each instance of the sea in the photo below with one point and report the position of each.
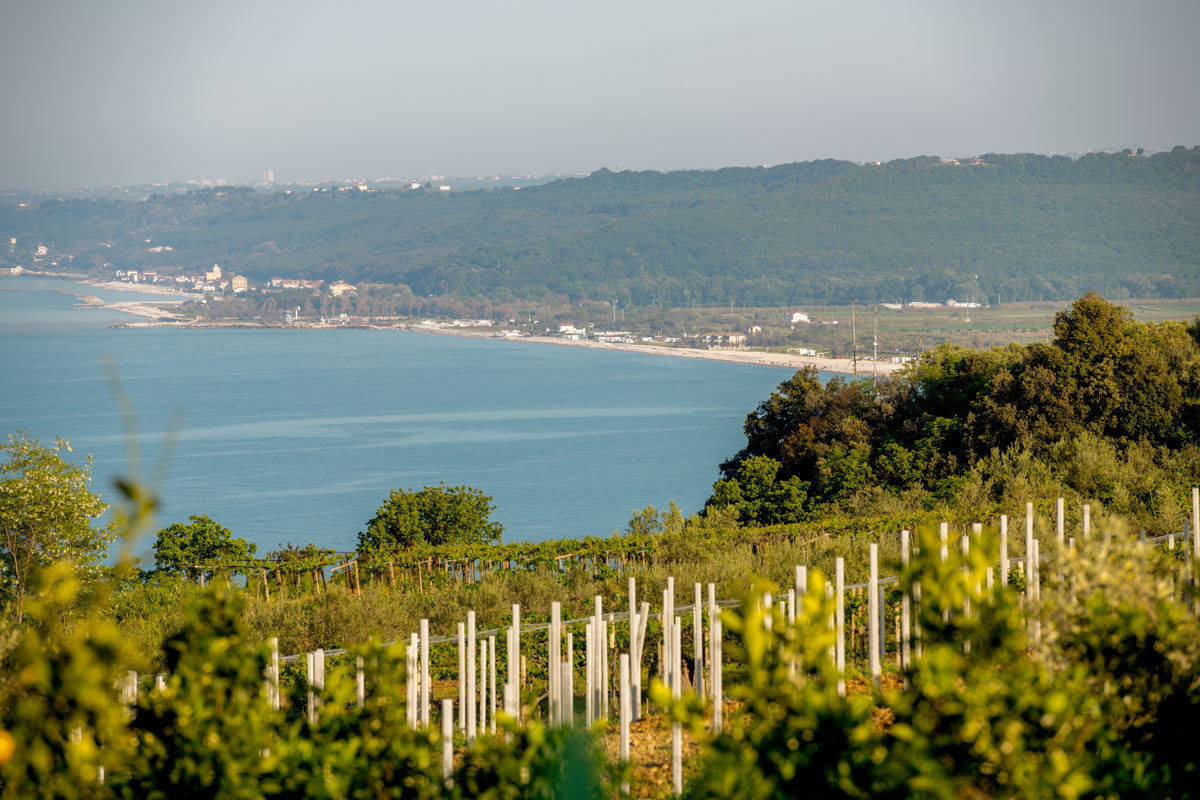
(298, 436)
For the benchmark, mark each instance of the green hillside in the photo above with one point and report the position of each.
(1015, 227)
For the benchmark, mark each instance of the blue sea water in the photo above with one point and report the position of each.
(297, 436)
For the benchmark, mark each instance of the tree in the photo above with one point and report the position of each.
(759, 496)
(435, 515)
(46, 509)
(181, 547)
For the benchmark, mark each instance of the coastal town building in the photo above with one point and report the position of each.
(724, 341)
(214, 274)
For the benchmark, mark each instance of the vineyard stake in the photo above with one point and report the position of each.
(840, 615)
(471, 687)
(1003, 551)
(425, 673)
(360, 684)
(676, 728)
(873, 631)
(492, 681)
(905, 605)
(447, 738)
(411, 683)
(514, 652)
(698, 643)
(554, 673)
(625, 711)
(462, 676)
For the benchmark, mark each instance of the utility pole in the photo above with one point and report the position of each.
(875, 352)
(854, 338)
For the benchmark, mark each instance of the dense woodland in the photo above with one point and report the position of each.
(1016, 227)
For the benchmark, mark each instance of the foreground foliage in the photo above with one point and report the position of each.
(1095, 710)
(1090, 706)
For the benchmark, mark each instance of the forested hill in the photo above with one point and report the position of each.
(1030, 227)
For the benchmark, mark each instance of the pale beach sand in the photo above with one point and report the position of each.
(840, 365)
(158, 312)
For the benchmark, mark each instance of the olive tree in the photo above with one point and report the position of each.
(199, 546)
(46, 513)
(435, 515)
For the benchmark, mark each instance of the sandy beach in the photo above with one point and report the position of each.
(840, 365)
(160, 313)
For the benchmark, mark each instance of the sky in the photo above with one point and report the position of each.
(140, 91)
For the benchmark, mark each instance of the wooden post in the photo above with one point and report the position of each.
(668, 614)
(634, 649)
(718, 694)
(1060, 523)
(1087, 520)
(905, 605)
(360, 684)
(447, 738)
(553, 662)
(273, 673)
(462, 676)
(1003, 551)
(1195, 519)
(698, 642)
(873, 630)
(966, 554)
(492, 682)
(483, 685)
(596, 660)
(605, 647)
(424, 673)
(626, 711)
(676, 728)
(129, 690)
(316, 681)
(1037, 590)
(589, 673)
(840, 615)
(1029, 562)
(471, 687)
(514, 655)
(567, 685)
(412, 662)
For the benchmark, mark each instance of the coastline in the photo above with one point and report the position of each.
(147, 309)
(753, 357)
(154, 314)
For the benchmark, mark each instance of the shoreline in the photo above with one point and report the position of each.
(155, 316)
(752, 357)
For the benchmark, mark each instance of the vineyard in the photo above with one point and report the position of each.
(1054, 659)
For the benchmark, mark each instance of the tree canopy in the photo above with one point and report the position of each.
(180, 548)
(46, 513)
(1104, 377)
(434, 515)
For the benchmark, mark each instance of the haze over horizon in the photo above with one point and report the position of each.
(139, 92)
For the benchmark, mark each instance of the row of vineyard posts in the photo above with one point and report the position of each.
(540, 663)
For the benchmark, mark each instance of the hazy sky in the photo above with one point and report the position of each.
(125, 91)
